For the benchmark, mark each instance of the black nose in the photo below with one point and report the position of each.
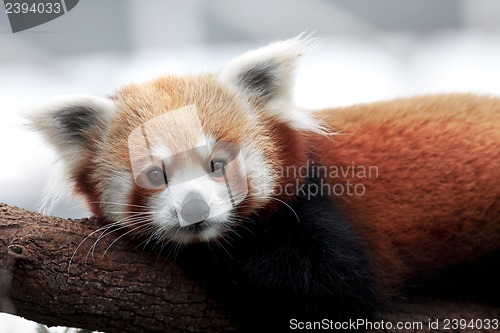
(194, 209)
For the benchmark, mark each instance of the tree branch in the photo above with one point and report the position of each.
(125, 290)
(120, 288)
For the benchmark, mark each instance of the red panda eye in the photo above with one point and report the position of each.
(217, 167)
(156, 176)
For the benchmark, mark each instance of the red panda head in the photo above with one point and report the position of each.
(186, 158)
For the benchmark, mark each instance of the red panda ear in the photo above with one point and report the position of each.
(266, 75)
(73, 123)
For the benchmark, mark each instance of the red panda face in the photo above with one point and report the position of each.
(187, 162)
(184, 159)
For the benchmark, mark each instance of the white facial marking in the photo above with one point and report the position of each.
(115, 196)
(161, 152)
(258, 173)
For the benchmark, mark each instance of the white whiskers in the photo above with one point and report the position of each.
(134, 220)
(139, 220)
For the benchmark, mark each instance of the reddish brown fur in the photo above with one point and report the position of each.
(88, 188)
(436, 201)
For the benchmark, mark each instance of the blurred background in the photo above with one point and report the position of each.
(372, 50)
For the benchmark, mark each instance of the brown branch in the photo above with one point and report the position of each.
(130, 290)
(125, 290)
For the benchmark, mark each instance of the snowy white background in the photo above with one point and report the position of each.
(372, 50)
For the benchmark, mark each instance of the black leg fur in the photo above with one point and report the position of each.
(309, 269)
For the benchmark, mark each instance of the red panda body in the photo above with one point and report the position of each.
(434, 198)
(323, 213)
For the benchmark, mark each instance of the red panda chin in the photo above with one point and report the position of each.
(204, 232)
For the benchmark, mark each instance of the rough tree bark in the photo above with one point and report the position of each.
(121, 288)
(125, 290)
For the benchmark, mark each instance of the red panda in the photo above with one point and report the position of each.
(320, 214)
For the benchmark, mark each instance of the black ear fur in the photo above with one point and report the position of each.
(69, 123)
(74, 122)
(261, 79)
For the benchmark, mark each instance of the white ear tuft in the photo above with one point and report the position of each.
(267, 73)
(69, 123)
(266, 76)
